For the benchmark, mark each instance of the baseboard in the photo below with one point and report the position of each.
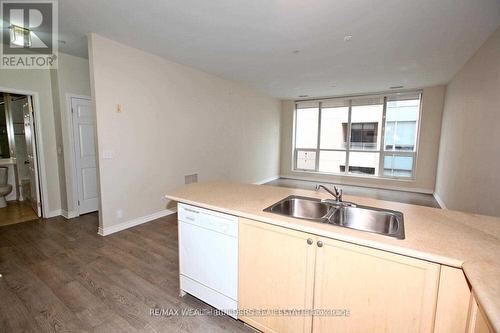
(69, 214)
(340, 183)
(132, 223)
(270, 179)
(53, 213)
(439, 200)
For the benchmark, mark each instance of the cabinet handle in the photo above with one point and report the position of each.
(320, 243)
(309, 241)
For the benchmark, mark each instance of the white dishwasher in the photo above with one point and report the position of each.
(208, 256)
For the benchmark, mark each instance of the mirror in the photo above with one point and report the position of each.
(12, 137)
(4, 136)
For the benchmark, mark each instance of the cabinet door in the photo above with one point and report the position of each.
(477, 322)
(453, 301)
(383, 292)
(276, 272)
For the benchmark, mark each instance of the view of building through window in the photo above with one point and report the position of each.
(350, 136)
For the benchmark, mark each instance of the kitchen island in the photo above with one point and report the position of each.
(451, 239)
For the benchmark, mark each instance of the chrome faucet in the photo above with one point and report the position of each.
(336, 193)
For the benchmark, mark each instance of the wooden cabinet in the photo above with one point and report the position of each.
(477, 322)
(453, 301)
(279, 268)
(283, 269)
(383, 292)
(276, 271)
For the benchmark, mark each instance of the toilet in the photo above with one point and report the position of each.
(5, 188)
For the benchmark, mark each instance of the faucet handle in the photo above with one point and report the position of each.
(336, 190)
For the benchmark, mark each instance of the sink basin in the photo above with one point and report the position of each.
(369, 219)
(363, 218)
(300, 207)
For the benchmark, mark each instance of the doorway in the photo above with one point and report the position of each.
(19, 168)
(85, 157)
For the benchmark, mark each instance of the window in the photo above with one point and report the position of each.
(370, 135)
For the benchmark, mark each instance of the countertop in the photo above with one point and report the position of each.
(467, 241)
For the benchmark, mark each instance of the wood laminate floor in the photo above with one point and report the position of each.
(60, 276)
(16, 212)
(420, 199)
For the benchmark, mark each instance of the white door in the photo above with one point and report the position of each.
(31, 163)
(85, 154)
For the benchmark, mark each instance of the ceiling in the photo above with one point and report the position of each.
(289, 48)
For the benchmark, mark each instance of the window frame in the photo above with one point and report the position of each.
(381, 151)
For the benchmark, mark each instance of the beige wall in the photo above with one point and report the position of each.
(432, 108)
(175, 121)
(51, 88)
(39, 81)
(71, 78)
(469, 158)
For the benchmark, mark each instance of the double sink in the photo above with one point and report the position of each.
(342, 214)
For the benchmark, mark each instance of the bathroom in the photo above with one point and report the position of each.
(15, 165)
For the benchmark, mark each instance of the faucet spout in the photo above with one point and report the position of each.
(336, 193)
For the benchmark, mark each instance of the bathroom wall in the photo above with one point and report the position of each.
(21, 155)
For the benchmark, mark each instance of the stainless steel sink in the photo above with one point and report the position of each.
(300, 207)
(348, 215)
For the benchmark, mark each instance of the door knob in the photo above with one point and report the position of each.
(320, 244)
(309, 241)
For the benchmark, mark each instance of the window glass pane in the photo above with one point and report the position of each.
(398, 166)
(307, 128)
(363, 163)
(332, 161)
(334, 128)
(365, 126)
(401, 124)
(306, 160)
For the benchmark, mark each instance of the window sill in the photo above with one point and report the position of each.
(357, 176)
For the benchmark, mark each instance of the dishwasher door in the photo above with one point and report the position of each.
(208, 257)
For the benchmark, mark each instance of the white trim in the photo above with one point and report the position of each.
(35, 101)
(134, 222)
(377, 186)
(69, 214)
(267, 180)
(54, 213)
(70, 158)
(439, 200)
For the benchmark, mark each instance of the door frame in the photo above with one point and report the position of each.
(40, 154)
(72, 159)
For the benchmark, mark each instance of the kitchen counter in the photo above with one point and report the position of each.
(467, 241)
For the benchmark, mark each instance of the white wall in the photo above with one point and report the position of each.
(71, 78)
(432, 108)
(469, 158)
(175, 121)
